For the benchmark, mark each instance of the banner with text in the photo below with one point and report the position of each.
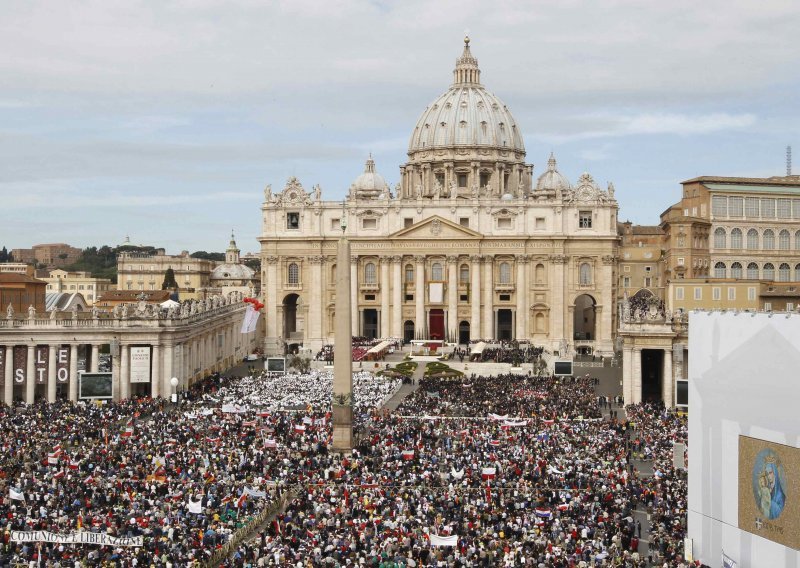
(140, 364)
(81, 537)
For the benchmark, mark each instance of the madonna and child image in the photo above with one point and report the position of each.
(769, 481)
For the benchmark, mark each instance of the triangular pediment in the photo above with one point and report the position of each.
(435, 227)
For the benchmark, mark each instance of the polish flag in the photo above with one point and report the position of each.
(128, 433)
(488, 473)
(299, 427)
(57, 449)
(52, 459)
(263, 414)
(249, 424)
(270, 444)
(408, 455)
(58, 475)
(74, 465)
(241, 500)
(89, 479)
(563, 507)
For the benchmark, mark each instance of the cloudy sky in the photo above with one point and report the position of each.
(164, 120)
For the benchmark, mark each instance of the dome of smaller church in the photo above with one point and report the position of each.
(370, 184)
(552, 179)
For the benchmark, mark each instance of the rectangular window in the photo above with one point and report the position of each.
(407, 222)
(789, 306)
(682, 393)
(462, 180)
(336, 224)
(719, 206)
(464, 298)
(698, 293)
(648, 268)
(504, 223)
(540, 224)
(648, 282)
(716, 293)
(796, 208)
(681, 261)
(293, 220)
(751, 293)
(626, 268)
(585, 220)
(751, 208)
(767, 306)
(626, 281)
(735, 207)
(484, 179)
(731, 293)
(369, 297)
(505, 297)
(694, 211)
(767, 208)
(409, 297)
(679, 293)
(463, 221)
(369, 223)
(784, 209)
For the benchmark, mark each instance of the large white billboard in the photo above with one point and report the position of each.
(140, 365)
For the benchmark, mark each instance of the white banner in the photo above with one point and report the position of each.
(436, 293)
(232, 408)
(249, 314)
(437, 540)
(253, 321)
(140, 365)
(81, 537)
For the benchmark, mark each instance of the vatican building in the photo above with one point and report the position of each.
(472, 243)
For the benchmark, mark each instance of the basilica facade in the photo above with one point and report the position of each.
(470, 244)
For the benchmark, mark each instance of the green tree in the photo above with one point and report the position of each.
(169, 280)
(4, 255)
(208, 255)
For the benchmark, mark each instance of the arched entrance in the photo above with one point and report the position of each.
(408, 331)
(583, 320)
(463, 332)
(290, 316)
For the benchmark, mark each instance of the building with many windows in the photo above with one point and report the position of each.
(82, 283)
(145, 272)
(469, 244)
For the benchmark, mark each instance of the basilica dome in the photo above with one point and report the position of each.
(466, 115)
(370, 184)
(552, 179)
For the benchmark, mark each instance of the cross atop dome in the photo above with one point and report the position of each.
(466, 71)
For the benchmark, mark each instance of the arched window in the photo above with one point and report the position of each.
(369, 273)
(719, 270)
(736, 239)
(294, 273)
(736, 270)
(505, 273)
(797, 240)
(585, 274)
(769, 239)
(752, 239)
(436, 271)
(784, 272)
(769, 271)
(463, 274)
(783, 240)
(720, 238)
(539, 274)
(752, 271)
(409, 272)
(797, 272)
(539, 323)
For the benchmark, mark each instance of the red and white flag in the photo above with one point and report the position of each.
(408, 455)
(299, 427)
(58, 475)
(74, 465)
(89, 479)
(241, 500)
(488, 473)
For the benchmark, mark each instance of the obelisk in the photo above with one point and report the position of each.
(342, 403)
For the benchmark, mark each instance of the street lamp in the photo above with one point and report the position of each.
(174, 382)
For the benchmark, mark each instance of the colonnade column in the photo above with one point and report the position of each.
(95, 363)
(627, 374)
(419, 297)
(124, 372)
(558, 262)
(313, 332)
(354, 323)
(168, 355)
(475, 297)
(397, 296)
(30, 376)
(667, 383)
(155, 376)
(271, 303)
(636, 376)
(73, 372)
(385, 291)
(452, 297)
(488, 296)
(522, 298)
(8, 375)
(51, 374)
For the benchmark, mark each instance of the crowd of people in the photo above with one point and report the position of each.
(361, 346)
(477, 471)
(514, 352)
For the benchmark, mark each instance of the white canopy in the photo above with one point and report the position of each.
(478, 349)
(380, 347)
(169, 304)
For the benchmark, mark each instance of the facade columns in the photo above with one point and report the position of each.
(124, 372)
(155, 374)
(420, 325)
(51, 373)
(313, 331)
(522, 298)
(475, 297)
(627, 374)
(452, 297)
(636, 376)
(385, 291)
(271, 302)
(169, 351)
(354, 323)
(8, 375)
(488, 297)
(558, 262)
(667, 382)
(73, 372)
(95, 362)
(30, 376)
(397, 296)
